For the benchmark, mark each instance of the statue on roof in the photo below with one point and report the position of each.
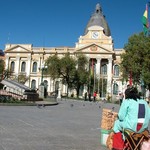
(98, 9)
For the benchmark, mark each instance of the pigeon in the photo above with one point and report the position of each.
(39, 106)
(71, 105)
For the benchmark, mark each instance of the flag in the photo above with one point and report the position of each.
(145, 17)
(145, 20)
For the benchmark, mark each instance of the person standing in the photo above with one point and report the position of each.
(94, 96)
(121, 97)
(89, 96)
(85, 96)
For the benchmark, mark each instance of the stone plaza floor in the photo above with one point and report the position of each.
(70, 125)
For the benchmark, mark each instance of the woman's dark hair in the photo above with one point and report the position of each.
(132, 93)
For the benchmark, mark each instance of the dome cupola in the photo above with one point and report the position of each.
(98, 19)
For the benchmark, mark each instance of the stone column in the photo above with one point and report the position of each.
(28, 68)
(109, 76)
(17, 65)
(7, 62)
(98, 67)
(98, 75)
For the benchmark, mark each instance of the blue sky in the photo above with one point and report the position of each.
(54, 23)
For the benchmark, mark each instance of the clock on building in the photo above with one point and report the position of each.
(95, 35)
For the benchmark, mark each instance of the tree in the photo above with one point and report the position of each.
(136, 59)
(53, 67)
(1, 68)
(72, 71)
(67, 72)
(63, 68)
(22, 78)
(81, 74)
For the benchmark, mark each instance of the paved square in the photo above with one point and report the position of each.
(70, 125)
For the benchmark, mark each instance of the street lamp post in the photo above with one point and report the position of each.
(42, 86)
(42, 68)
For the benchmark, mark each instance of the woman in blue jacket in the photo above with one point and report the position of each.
(134, 113)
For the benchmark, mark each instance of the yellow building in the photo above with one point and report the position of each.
(96, 44)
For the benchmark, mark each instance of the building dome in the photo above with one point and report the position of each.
(98, 19)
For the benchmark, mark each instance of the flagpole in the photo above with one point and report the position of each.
(148, 5)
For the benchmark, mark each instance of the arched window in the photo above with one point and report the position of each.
(104, 69)
(23, 67)
(34, 68)
(33, 84)
(115, 89)
(12, 66)
(116, 70)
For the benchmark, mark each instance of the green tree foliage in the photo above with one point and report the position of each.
(7, 74)
(81, 74)
(53, 67)
(1, 68)
(22, 78)
(72, 71)
(67, 69)
(63, 68)
(136, 59)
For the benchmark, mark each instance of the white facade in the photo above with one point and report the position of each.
(95, 45)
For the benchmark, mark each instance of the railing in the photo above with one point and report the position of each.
(6, 94)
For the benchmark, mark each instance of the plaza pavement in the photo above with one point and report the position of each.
(70, 125)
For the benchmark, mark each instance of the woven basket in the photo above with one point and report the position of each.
(108, 119)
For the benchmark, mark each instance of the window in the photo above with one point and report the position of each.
(115, 89)
(104, 69)
(116, 70)
(23, 66)
(12, 66)
(34, 68)
(33, 84)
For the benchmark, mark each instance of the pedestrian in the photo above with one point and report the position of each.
(45, 92)
(85, 96)
(120, 97)
(94, 96)
(89, 96)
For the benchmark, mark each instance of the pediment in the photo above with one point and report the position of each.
(18, 49)
(93, 48)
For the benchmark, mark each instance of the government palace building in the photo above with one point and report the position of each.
(96, 44)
